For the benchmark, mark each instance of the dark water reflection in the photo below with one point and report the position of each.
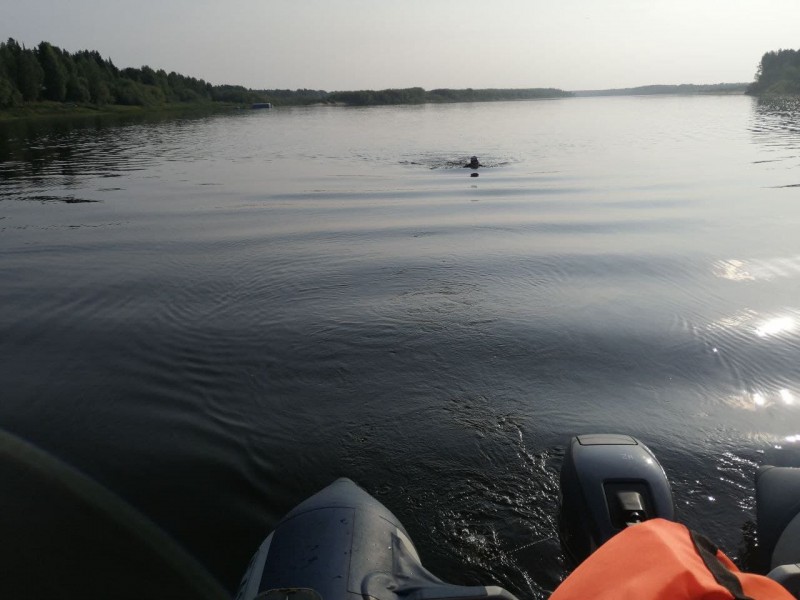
(215, 317)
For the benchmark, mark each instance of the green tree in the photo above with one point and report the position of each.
(97, 76)
(55, 73)
(9, 51)
(777, 74)
(78, 89)
(99, 92)
(9, 94)
(30, 76)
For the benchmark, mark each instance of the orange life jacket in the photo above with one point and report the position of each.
(662, 560)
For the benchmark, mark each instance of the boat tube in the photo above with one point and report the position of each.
(778, 524)
(342, 544)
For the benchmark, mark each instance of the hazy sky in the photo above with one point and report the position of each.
(372, 44)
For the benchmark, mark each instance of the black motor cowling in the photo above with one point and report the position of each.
(608, 482)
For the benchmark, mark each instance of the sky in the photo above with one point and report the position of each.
(376, 44)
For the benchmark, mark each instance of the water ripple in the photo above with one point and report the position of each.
(258, 304)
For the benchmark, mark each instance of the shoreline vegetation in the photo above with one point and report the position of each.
(778, 74)
(684, 88)
(47, 81)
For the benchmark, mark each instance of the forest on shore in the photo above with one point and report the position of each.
(47, 76)
(47, 73)
(778, 74)
(684, 88)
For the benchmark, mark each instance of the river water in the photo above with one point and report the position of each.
(215, 317)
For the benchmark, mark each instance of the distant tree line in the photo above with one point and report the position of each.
(683, 88)
(48, 73)
(417, 95)
(242, 95)
(494, 94)
(778, 74)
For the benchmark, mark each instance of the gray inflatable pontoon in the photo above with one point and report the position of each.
(342, 544)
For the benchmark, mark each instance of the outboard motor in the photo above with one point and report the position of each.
(608, 482)
(778, 524)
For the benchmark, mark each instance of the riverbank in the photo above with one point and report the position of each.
(681, 89)
(48, 110)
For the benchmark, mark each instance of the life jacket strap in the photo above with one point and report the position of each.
(723, 576)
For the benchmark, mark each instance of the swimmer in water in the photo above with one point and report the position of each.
(473, 163)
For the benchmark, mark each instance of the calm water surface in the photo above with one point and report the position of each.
(216, 317)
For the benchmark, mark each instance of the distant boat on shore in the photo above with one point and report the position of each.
(262, 105)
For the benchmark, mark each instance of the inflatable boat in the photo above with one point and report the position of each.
(64, 535)
(342, 544)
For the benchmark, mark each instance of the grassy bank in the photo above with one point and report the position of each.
(49, 110)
